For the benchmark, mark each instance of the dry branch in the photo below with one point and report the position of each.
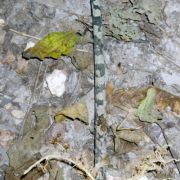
(63, 159)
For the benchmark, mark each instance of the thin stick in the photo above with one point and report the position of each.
(24, 34)
(44, 75)
(20, 33)
(82, 50)
(60, 158)
(31, 100)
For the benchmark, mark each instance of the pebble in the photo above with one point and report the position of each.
(56, 82)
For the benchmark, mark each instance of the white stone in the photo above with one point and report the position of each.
(17, 114)
(56, 82)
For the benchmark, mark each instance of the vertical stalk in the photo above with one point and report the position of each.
(99, 80)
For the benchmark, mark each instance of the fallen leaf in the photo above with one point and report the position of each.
(52, 45)
(81, 60)
(146, 110)
(135, 136)
(165, 99)
(131, 98)
(128, 97)
(122, 146)
(76, 111)
(24, 151)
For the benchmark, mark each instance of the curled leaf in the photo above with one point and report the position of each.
(76, 111)
(52, 45)
(146, 110)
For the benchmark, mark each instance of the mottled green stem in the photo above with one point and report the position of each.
(99, 72)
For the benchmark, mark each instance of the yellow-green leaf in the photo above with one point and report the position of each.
(52, 45)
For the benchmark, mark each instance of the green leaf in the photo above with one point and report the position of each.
(146, 110)
(52, 45)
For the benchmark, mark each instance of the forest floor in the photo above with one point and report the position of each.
(47, 106)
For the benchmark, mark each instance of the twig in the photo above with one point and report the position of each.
(24, 34)
(20, 33)
(60, 158)
(43, 80)
(31, 100)
(82, 50)
(176, 160)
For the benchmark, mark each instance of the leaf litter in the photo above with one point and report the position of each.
(76, 111)
(146, 104)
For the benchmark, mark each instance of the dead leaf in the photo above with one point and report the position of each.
(121, 146)
(165, 99)
(27, 147)
(76, 111)
(16, 174)
(135, 136)
(81, 60)
(131, 97)
(147, 110)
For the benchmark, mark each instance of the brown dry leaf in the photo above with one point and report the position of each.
(131, 97)
(121, 146)
(109, 91)
(33, 175)
(81, 60)
(165, 99)
(134, 136)
(76, 111)
(128, 140)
